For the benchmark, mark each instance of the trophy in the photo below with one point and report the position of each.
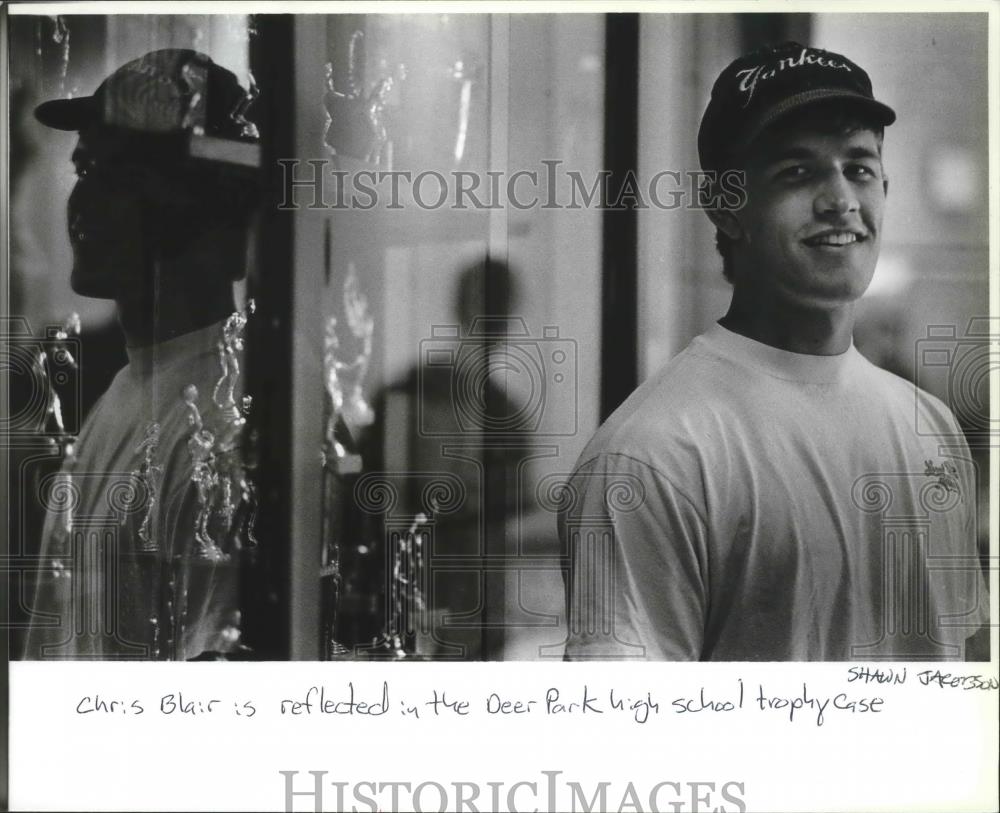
(150, 474)
(61, 351)
(345, 377)
(218, 471)
(355, 120)
(345, 370)
(62, 443)
(406, 600)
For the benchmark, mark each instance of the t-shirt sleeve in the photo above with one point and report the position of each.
(637, 570)
(973, 624)
(958, 573)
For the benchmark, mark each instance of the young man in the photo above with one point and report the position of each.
(766, 495)
(143, 522)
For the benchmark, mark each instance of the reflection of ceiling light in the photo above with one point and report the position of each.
(953, 178)
(892, 276)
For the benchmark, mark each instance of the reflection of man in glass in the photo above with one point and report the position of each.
(144, 520)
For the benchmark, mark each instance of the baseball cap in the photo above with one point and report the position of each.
(758, 88)
(166, 91)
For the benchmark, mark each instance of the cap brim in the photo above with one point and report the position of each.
(68, 114)
(881, 113)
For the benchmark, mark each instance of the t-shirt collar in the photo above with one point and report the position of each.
(186, 346)
(775, 362)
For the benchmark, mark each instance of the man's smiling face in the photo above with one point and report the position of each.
(810, 230)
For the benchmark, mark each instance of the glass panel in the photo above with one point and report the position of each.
(134, 500)
(434, 341)
(458, 386)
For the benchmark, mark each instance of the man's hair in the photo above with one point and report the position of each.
(835, 117)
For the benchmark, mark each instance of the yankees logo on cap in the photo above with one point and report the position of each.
(758, 88)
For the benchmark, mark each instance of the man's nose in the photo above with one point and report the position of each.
(836, 197)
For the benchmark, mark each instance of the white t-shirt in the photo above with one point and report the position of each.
(121, 581)
(748, 503)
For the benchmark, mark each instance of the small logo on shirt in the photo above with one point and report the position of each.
(946, 474)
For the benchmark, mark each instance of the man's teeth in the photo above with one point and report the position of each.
(838, 239)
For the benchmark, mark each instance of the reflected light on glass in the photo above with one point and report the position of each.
(953, 177)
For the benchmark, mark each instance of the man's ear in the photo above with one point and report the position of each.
(725, 221)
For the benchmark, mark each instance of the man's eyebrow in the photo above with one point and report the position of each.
(796, 152)
(863, 152)
(790, 153)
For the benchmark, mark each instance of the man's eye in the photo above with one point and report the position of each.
(861, 171)
(82, 168)
(793, 173)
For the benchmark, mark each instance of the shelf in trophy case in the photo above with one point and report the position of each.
(225, 151)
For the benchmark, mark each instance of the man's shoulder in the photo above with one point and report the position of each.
(693, 392)
(912, 403)
(668, 426)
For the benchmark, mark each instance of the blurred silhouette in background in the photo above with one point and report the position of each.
(461, 414)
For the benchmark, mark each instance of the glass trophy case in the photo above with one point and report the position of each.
(408, 528)
(406, 372)
(134, 499)
(447, 395)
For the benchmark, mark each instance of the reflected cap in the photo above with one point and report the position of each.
(758, 88)
(167, 91)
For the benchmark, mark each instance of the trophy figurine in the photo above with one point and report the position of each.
(356, 121)
(52, 424)
(217, 468)
(344, 379)
(345, 369)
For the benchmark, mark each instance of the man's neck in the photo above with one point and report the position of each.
(147, 320)
(184, 293)
(797, 329)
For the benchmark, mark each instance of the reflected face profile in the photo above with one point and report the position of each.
(105, 215)
(116, 212)
(812, 224)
